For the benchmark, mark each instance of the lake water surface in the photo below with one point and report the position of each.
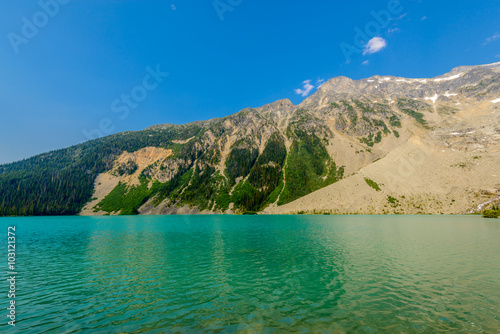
(254, 274)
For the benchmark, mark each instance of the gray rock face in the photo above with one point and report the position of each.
(464, 80)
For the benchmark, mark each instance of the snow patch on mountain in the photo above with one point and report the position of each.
(433, 99)
(453, 77)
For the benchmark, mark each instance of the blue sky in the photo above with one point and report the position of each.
(98, 67)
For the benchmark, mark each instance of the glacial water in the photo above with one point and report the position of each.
(253, 274)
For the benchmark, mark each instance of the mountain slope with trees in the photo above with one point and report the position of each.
(270, 158)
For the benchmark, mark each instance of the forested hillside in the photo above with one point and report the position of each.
(61, 182)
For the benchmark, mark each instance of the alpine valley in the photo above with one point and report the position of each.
(383, 145)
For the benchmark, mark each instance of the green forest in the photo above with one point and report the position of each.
(62, 181)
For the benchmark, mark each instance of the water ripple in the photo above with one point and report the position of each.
(303, 274)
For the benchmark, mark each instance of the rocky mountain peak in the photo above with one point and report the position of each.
(465, 81)
(338, 84)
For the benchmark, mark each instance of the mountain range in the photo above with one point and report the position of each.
(382, 145)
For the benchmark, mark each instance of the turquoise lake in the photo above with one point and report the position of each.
(254, 274)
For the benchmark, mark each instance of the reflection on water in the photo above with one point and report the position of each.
(322, 274)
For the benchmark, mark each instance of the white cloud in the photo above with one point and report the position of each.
(390, 31)
(366, 62)
(398, 18)
(423, 18)
(319, 82)
(492, 38)
(374, 45)
(307, 88)
(173, 7)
